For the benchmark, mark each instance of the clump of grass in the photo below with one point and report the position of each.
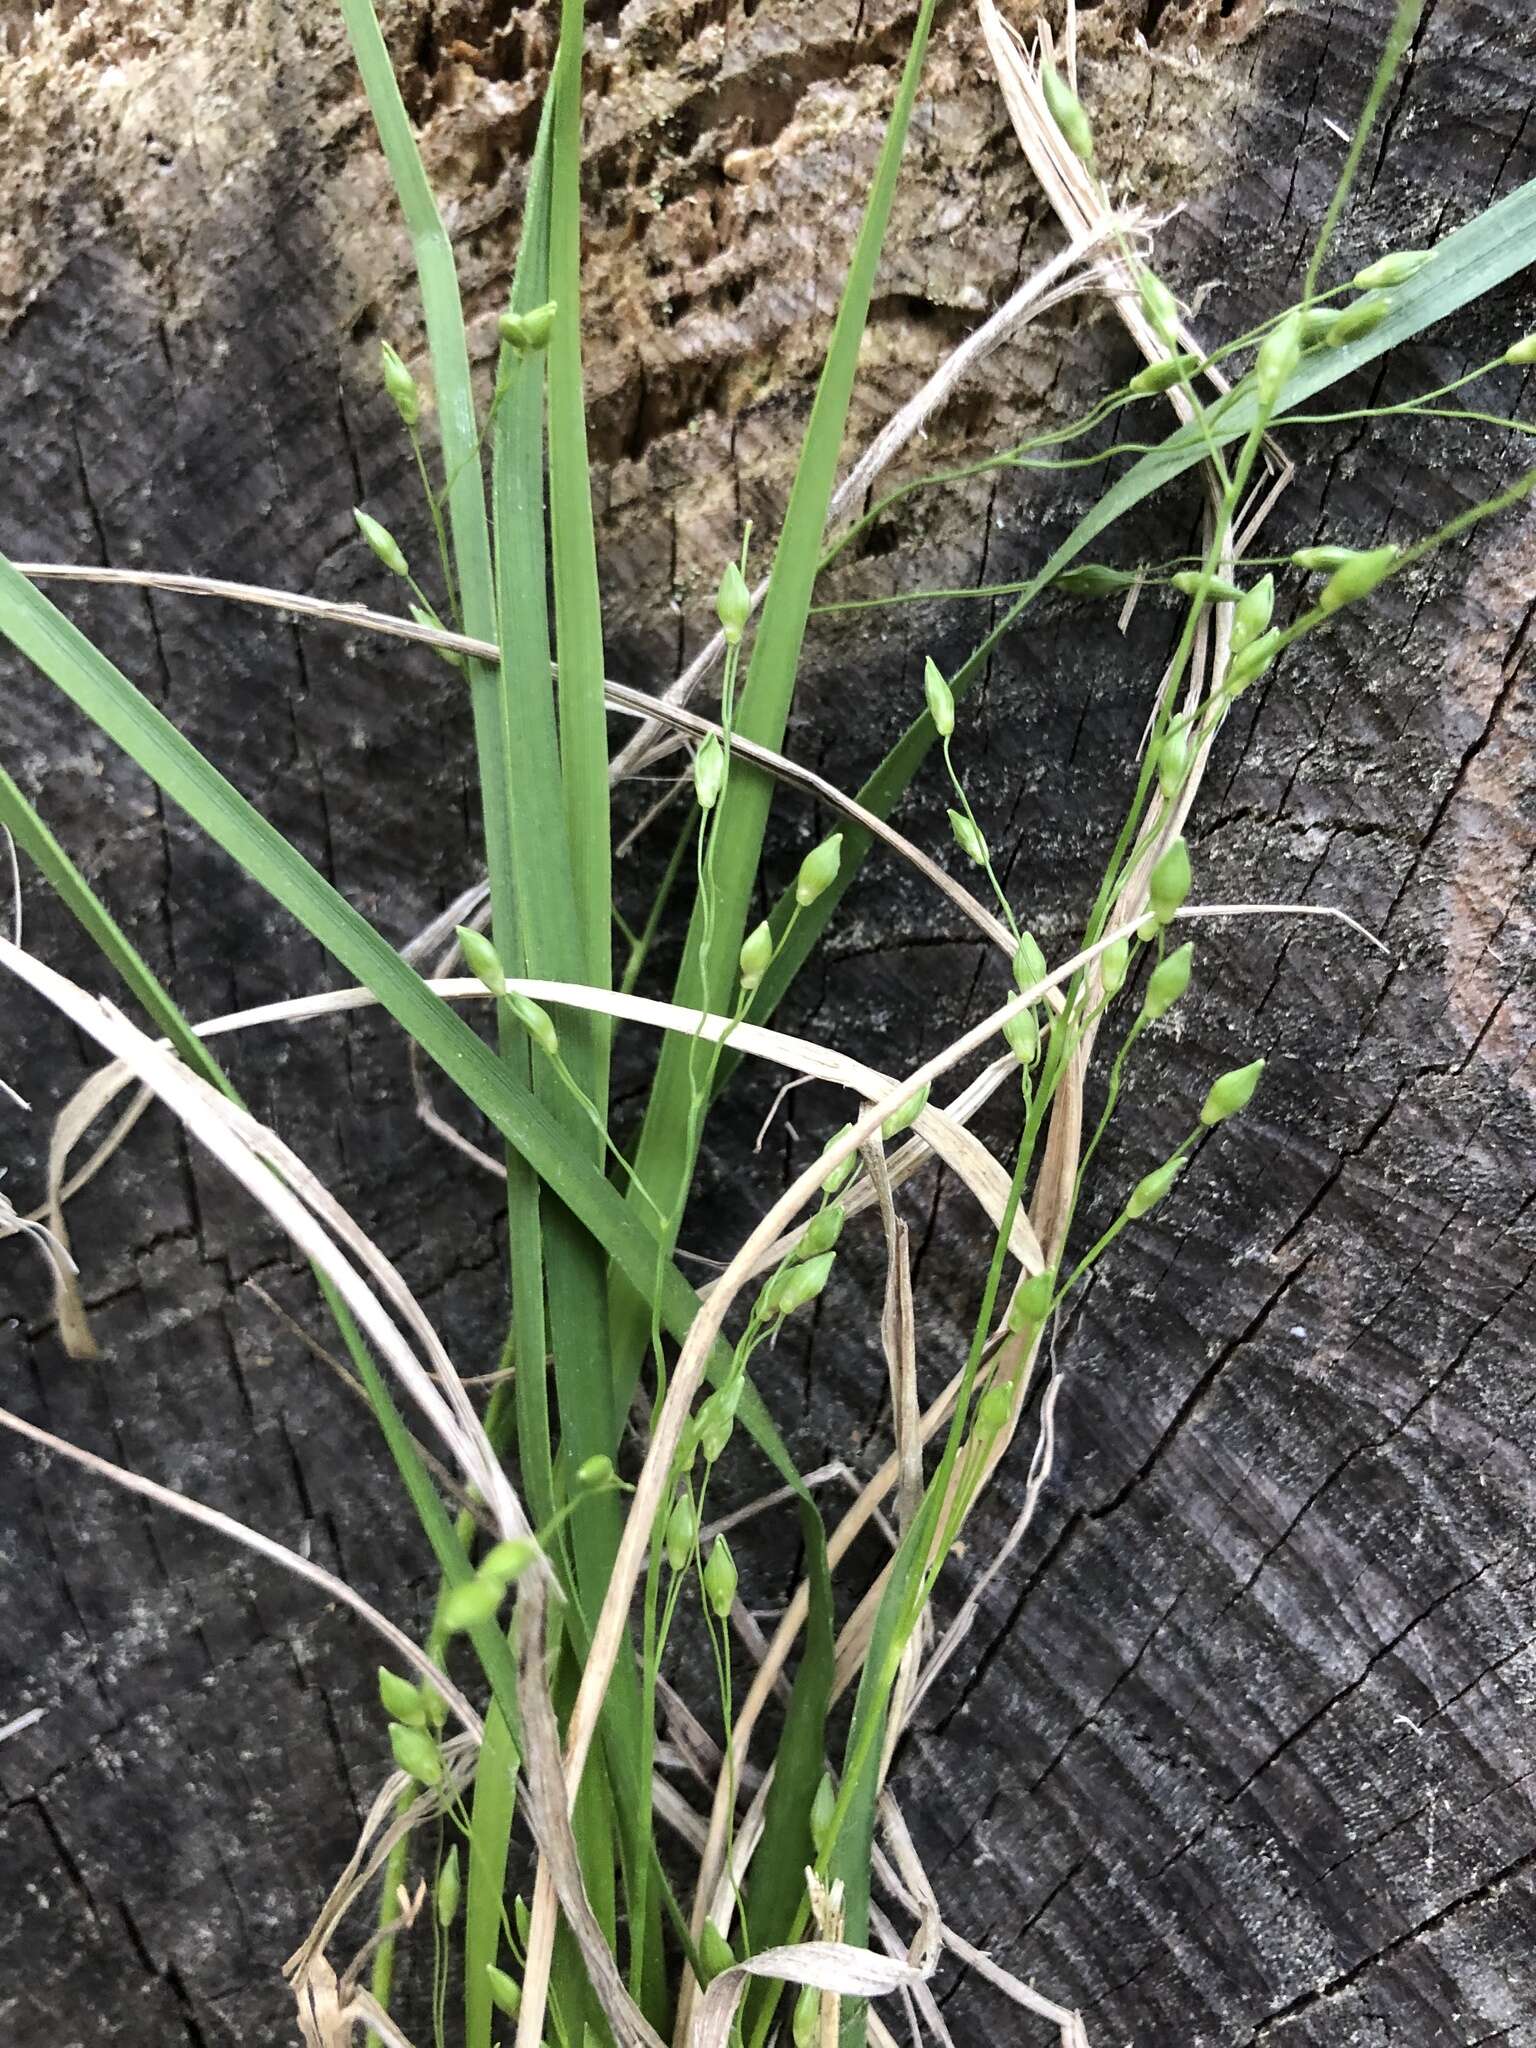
(565, 1587)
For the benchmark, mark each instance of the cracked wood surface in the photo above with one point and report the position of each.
(1240, 1751)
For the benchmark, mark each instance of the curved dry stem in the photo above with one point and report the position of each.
(366, 1862)
(262, 1165)
(958, 1147)
(1329, 910)
(264, 1546)
(634, 703)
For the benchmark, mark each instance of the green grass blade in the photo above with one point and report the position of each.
(546, 900)
(551, 935)
(552, 940)
(547, 1249)
(578, 609)
(495, 704)
(85, 675)
(573, 1268)
(458, 427)
(541, 910)
(83, 904)
(490, 1832)
(438, 277)
(665, 1155)
(777, 1880)
(866, 1736)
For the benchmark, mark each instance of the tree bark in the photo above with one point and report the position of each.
(1240, 1749)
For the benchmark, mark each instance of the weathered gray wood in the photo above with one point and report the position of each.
(1240, 1751)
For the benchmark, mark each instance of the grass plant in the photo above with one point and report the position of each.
(587, 1900)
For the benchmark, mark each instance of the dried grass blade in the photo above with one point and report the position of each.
(560, 1866)
(898, 1336)
(937, 1128)
(829, 1965)
(227, 1132)
(385, 1823)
